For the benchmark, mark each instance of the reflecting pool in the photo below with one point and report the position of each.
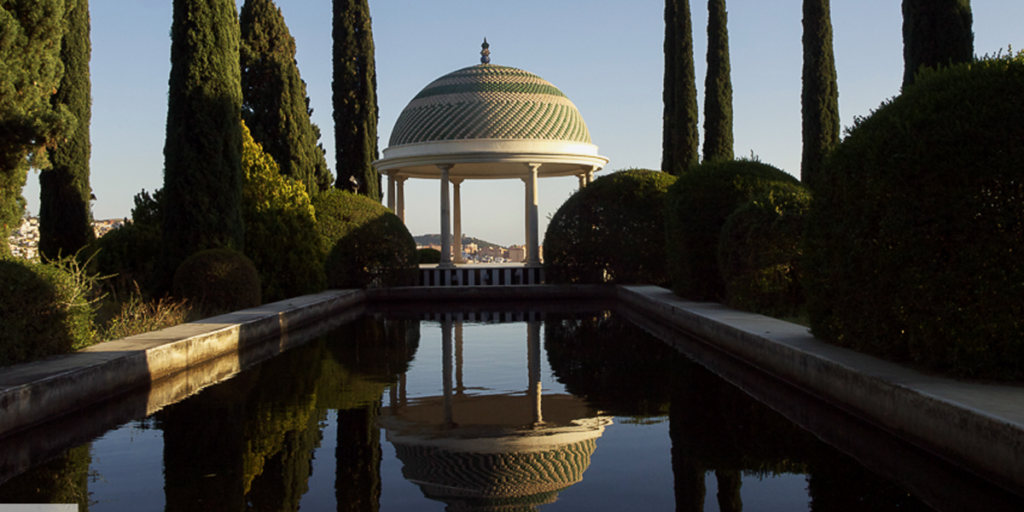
(485, 411)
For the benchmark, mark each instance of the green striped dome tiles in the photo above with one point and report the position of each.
(489, 102)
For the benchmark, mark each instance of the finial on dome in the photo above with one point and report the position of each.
(485, 54)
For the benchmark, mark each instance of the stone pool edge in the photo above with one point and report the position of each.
(977, 426)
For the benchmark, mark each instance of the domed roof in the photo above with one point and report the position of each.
(487, 101)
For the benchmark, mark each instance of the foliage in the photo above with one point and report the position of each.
(130, 253)
(281, 233)
(65, 220)
(680, 138)
(935, 33)
(217, 281)
(612, 230)
(718, 87)
(63, 479)
(697, 206)
(759, 252)
(427, 255)
(45, 308)
(355, 98)
(30, 72)
(274, 102)
(913, 245)
(367, 243)
(820, 94)
(203, 150)
(138, 316)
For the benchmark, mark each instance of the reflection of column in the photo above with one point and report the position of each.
(459, 388)
(446, 227)
(457, 185)
(533, 353)
(533, 242)
(401, 198)
(729, 483)
(446, 367)
(391, 190)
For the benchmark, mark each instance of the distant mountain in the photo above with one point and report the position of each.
(436, 239)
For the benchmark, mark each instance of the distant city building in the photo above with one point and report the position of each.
(517, 254)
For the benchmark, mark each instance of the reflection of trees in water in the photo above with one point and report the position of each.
(247, 443)
(61, 480)
(713, 425)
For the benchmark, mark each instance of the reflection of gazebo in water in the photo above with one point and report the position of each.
(492, 452)
(487, 122)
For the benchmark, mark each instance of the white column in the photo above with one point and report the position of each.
(457, 183)
(401, 197)
(391, 191)
(533, 242)
(446, 226)
(526, 220)
(590, 176)
(583, 180)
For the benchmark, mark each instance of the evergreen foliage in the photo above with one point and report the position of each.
(274, 102)
(697, 206)
(281, 236)
(611, 231)
(681, 137)
(912, 248)
(366, 243)
(759, 252)
(30, 72)
(427, 255)
(355, 99)
(936, 33)
(203, 151)
(820, 94)
(130, 254)
(216, 281)
(718, 87)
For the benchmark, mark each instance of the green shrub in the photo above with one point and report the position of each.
(697, 206)
(138, 316)
(759, 252)
(281, 235)
(45, 309)
(611, 231)
(217, 281)
(129, 254)
(913, 247)
(368, 245)
(427, 256)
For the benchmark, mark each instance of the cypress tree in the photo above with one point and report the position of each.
(65, 222)
(820, 95)
(681, 137)
(355, 98)
(935, 33)
(718, 87)
(275, 106)
(30, 72)
(203, 152)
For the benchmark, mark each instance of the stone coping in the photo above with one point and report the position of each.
(978, 426)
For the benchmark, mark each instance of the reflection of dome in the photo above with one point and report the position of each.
(489, 452)
(489, 102)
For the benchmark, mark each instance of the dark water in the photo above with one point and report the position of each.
(553, 411)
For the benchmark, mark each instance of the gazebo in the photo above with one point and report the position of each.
(487, 122)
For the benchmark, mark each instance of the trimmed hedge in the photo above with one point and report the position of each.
(44, 311)
(611, 231)
(759, 252)
(427, 255)
(217, 281)
(367, 244)
(914, 244)
(697, 206)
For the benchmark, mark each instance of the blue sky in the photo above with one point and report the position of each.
(605, 55)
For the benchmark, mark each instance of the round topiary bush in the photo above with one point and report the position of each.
(44, 310)
(427, 256)
(281, 235)
(368, 245)
(697, 206)
(611, 231)
(217, 281)
(759, 252)
(914, 243)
